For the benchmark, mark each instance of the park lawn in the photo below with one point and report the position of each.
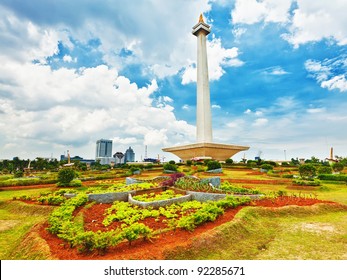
(16, 221)
(317, 232)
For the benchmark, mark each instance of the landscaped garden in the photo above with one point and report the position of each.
(240, 212)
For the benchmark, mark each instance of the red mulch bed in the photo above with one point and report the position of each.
(155, 248)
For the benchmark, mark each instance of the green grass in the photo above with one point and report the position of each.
(17, 220)
(317, 232)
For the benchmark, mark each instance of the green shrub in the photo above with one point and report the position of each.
(324, 170)
(229, 161)
(266, 166)
(307, 170)
(18, 174)
(306, 182)
(170, 167)
(337, 166)
(333, 177)
(75, 183)
(65, 176)
(212, 165)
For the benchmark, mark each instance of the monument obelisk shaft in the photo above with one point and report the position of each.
(204, 147)
(203, 110)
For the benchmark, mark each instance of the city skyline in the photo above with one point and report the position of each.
(128, 73)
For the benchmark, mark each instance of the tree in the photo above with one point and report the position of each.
(212, 165)
(337, 166)
(229, 161)
(65, 176)
(267, 166)
(325, 169)
(170, 167)
(307, 170)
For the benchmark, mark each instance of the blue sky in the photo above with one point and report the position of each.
(73, 72)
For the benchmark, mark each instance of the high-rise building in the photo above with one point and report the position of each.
(103, 148)
(129, 155)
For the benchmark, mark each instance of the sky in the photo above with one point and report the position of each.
(73, 72)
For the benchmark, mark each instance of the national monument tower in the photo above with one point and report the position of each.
(204, 146)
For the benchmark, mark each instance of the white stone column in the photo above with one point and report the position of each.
(203, 110)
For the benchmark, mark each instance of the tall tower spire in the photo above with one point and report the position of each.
(203, 104)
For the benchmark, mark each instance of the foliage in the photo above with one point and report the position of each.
(75, 183)
(169, 194)
(172, 162)
(227, 187)
(333, 177)
(194, 184)
(212, 165)
(229, 161)
(189, 162)
(307, 170)
(64, 213)
(306, 182)
(65, 176)
(135, 230)
(18, 174)
(266, 166)
(170, 167)
(337, 166)
(324, 170)
(173, 178)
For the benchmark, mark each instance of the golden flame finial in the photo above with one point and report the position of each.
(201, 19)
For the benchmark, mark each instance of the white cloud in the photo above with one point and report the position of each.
(186, 107)
(338, 82)
(69, 59)
(329, 73)
(216, 106)
(253, 11)
(277, 70)
(311, 21)
(248, 111)
(218, 57)
(316, 110)
(260, 122)
(58, 109)
(314, 21)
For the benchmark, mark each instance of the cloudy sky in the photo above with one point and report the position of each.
(73, 72)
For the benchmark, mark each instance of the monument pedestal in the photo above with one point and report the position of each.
(216, 151)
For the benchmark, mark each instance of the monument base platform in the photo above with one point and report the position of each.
(216, 151)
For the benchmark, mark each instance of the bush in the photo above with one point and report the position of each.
(331, 177)
(229, 161)
(189, 162)
(172, 162)
(307, 170)
(75, 183)
(173, 178)
(266, 166)
(212, 165)
(170, 166)
(306, 182)
(65, 176)
(338, 166)
(325, 170)
(18, 174)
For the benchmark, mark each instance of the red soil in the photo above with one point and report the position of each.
(156, 247)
